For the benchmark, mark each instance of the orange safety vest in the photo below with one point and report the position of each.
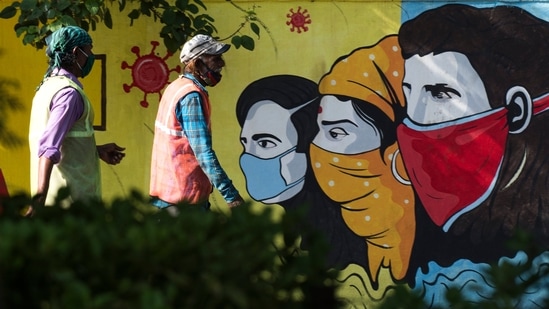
(176, 176)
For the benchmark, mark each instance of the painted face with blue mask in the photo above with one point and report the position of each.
(268, 179)
(274, 171)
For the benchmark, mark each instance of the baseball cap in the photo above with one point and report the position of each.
(202, 44)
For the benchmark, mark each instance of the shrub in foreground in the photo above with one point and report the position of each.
(128, 255)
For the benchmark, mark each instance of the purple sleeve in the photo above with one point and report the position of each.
(66, 108)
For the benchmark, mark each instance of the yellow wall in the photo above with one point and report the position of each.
(336, 28)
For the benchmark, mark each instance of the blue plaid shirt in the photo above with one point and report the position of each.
(190, 115)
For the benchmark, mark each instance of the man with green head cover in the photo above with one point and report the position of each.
(61, 135)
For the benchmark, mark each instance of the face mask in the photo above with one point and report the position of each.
(210, 77)
(266, 179)
(454, 167)
(365, 187)
(86, 69)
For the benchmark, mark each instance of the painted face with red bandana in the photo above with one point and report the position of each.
(453, 142)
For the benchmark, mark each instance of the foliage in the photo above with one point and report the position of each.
(128, 255)
(180, 19)
(8, 103)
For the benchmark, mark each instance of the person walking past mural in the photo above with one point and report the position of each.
(61, 135)
(184, 165)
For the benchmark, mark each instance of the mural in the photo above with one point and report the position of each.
(417, 157)
(150, 73)
(298, 20)
(409, 133)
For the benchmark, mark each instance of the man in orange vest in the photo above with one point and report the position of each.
(184, 166)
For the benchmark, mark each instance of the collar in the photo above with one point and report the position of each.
(195, 80)
(68, 74)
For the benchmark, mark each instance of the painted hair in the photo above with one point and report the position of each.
(506, 45)
(288, 91)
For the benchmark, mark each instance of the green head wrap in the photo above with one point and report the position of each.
(62, 42)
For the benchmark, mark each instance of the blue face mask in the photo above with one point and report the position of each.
(264, 179)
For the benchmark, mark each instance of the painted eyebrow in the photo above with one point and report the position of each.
(327, 123)
(256, 137)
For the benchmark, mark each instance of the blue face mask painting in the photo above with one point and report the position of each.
(264, 177)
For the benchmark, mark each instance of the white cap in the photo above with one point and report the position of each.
(202, 44)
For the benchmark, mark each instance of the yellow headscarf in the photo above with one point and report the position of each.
(373, 74)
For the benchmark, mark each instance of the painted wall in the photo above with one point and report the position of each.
(365, 138)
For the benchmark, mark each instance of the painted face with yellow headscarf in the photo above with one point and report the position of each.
(355, 155)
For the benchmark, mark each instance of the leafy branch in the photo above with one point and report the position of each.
(180, 19)
(253, 20)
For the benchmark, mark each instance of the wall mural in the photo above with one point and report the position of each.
(417, 157)
(150, 73)
(298, 20)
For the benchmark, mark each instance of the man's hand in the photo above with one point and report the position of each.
(111, 153)
(239, 201)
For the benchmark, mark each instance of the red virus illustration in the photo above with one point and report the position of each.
(298, 20)
(150, 73)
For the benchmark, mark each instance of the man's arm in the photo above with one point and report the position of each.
(45, 166)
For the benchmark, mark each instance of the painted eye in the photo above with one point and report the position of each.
(442, 91)
(337, 133)
(266, 143)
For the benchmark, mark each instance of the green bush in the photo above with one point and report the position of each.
(128, 255)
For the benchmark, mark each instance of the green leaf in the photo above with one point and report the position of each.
(165, 29)
(36, 14)
(55, 25)
(171, 44)
(199, 2)
(199, 23)
(255, 28)
(63, 4)
(20, 30)
(236, 41)
(108, 18)
(33, 30)
(28, 38)
(181, 4)
(85, 25)
(92, 7)
(27, 5)
(134, 14)
(193, 9)
(67, 20)
(168, 17)
(180, 37)
(121, 5)
(51, 14)
(8, 12)
(248, 43)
